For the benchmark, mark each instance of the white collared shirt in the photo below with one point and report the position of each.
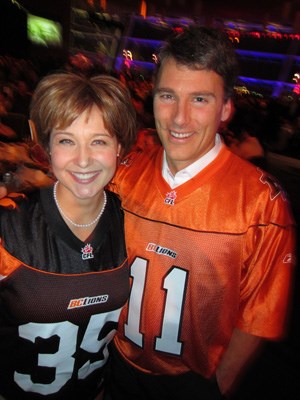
(190, 171)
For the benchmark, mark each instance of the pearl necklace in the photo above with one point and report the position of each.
(72, 222)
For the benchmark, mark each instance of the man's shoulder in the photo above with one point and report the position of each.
(254, 188)
(138, 166)
(141, 156)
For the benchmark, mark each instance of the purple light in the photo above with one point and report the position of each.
(260, 54)
(150, 42)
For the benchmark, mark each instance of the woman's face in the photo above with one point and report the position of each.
(84, 155)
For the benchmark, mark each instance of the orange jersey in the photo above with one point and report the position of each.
(210, 255)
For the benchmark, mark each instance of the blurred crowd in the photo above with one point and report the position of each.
(258, 124)
(18, 78)
(269, 124)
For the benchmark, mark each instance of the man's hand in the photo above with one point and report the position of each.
(241, 352)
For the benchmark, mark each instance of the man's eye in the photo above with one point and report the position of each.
(200, 99)
(166, 96)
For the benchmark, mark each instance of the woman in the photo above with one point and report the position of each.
(63, 266)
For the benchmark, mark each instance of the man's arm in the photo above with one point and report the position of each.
(241, 351)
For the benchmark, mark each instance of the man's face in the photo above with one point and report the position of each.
(188, 108)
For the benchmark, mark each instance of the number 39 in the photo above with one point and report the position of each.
(63, 360)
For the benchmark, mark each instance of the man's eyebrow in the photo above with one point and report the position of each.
(163, 89)
(192, 94)
(203, 93)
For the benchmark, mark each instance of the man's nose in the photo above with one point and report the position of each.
(182, 113)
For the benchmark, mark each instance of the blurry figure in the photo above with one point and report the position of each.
(242, 135)
(294, 143)
(22, 98)
(284, 136)
(6, 132)
(147, 140)
(6, 98)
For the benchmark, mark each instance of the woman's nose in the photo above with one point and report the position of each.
(83, 156)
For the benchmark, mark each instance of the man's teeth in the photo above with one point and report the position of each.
(181, 135)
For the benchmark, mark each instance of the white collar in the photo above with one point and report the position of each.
(193, 169)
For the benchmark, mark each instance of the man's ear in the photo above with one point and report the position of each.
(227, 110)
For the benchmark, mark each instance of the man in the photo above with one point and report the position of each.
(210, 239)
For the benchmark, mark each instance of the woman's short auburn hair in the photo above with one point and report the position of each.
(60, 98)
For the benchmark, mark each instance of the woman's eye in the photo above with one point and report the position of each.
(65, 141)
(99, 142)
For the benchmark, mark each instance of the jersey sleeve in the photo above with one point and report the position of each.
(267, 274)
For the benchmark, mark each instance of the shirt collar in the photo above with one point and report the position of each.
(193, 169)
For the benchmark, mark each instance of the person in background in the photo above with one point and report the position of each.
(6, 132)
(210, 239)
(63, 264)
(243, 134)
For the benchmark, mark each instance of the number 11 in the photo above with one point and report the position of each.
(174, 284)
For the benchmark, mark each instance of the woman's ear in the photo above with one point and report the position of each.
(119, 150)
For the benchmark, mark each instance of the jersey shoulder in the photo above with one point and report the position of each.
(257, 191)
(138, 166)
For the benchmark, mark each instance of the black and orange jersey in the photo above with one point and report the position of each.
(213, 254)
(60, 299)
